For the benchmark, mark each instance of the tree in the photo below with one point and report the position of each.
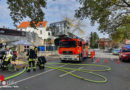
(94, 40)
(121, 34)
(21, 9)
(110, 14)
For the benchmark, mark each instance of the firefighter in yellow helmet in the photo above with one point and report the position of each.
(36, 49)
(7, 59)
(31, 59)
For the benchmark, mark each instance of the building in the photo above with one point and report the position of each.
(105, 43)
(59, 28)
(40, 30)
(8, 36)
(11, 35)
(108, 43)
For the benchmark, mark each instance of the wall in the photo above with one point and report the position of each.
(41, 31)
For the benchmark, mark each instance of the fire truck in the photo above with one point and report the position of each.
(72, 49)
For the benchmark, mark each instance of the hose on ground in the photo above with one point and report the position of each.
(64, 69)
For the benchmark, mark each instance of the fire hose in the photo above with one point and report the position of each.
(64, 69)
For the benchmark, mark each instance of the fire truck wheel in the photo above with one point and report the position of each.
(62, 61)
(122, 60)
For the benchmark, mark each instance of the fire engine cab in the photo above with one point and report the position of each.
(72, 49)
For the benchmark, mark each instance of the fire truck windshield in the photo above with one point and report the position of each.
(68, 44)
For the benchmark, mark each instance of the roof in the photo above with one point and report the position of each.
(27, 24)
(104, 39)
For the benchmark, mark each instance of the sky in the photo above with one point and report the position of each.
(56, 11)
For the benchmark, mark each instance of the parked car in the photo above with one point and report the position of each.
(124, 54)
(116, 51)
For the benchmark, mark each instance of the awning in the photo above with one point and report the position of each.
(22, 42)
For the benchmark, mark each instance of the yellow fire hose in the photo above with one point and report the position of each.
(53, 66)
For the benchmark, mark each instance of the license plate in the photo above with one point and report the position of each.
(67, 56)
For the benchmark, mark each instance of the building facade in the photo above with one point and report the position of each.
(105, 43)
(40, 30)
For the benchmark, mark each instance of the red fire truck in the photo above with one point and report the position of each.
(72, 49)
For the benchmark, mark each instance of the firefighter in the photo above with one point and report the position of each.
(9, 52)
(6, 59)
(41, 62)
(36, 49)
(31, 59)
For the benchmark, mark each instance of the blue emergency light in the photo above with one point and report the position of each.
(76, 37)
(128, 47)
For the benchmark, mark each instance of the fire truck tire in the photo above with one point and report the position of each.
(122, 60)
(62, 61)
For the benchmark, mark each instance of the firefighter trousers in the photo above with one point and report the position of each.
(5, 65)
(41, 64)
(31, 63)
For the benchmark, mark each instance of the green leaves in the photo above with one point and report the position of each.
(21, 9)
(94, 40)
(110, 14)
(122, 33)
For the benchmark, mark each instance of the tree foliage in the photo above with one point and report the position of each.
(21, 9)
(110, 14)
(94, 40)
(121, 34)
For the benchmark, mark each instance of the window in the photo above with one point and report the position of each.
(80, 43)
(68, 44)
(41, 25)
(41, 32)
(49, 33)
(26, 48)
(126, 50)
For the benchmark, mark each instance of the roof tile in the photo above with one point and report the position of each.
(27, 24)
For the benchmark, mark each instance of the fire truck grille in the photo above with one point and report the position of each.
(67, 52)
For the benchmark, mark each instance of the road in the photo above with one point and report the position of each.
(50, 79)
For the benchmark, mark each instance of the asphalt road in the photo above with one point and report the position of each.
(50, 79)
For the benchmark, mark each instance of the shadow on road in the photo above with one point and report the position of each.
(126, 61)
